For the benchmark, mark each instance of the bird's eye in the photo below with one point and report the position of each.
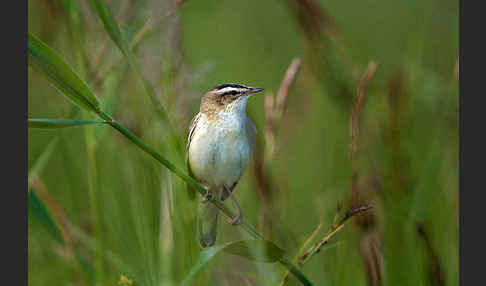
(234, 92)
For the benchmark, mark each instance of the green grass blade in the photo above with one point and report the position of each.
(295, 271)
(111, 26)
(59, 123)
(204, 257)
(90, 244)
(256, 250)
(38, 211)
(245, 248)
(45, 60)
(41, 161)
(110, 91)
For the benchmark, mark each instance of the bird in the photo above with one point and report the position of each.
(219, 147)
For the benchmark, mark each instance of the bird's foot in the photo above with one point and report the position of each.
(239, 216)
(208, 196)
(236, 220)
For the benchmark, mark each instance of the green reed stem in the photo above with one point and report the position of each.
(194, 184)
(294, 270)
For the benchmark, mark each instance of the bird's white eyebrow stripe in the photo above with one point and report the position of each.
(229, 89)
(233, 85)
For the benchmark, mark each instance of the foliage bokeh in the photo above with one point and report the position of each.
(127, 215)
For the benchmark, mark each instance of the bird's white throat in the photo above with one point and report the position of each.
(234, 116)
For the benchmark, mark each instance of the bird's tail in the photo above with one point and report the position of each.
(207, 224)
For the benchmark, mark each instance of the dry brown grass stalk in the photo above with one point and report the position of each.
(274, 107)
(355, 129)
(334, 229)
(370, 253)
(312, 18)
(436, 270)
(355, 124)
(39, 187)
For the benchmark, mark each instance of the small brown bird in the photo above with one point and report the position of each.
(219, 147)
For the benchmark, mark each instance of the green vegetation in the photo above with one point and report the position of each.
(348, 134)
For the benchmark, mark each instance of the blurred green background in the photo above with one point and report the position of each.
(121, 213)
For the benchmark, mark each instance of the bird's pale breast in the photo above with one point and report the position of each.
(219, 152)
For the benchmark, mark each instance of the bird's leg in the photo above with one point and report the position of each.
(209, 194)
(239, 217)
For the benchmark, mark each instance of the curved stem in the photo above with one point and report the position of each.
(194, 184)
(294, 270)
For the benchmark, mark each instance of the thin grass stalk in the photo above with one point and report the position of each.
(112, 28)
(92, 179)
(274, 109)
(126, 10)
(94, 204)
(294, 270)
(89, 141)
(355, 126)
(333, 230)
(101, 73)
(37, 186)
(369, 254)
(354, 135)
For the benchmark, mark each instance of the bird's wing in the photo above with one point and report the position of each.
(192, 129)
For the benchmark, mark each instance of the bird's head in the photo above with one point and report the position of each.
(230, 97)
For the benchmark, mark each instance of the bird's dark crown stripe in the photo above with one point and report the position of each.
(232, 92)
(229, 85)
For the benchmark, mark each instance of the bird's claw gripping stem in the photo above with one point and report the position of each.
(237, 220)
(239, 217)
(208, 196)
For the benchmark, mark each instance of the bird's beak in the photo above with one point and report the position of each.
(254, 90)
